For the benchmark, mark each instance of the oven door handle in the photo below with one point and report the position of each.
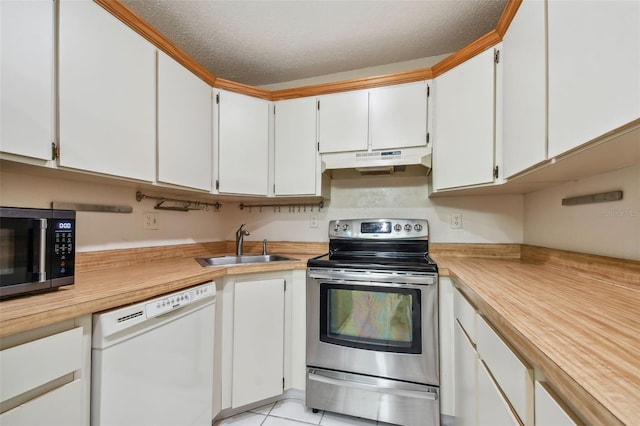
(431, 396)
(376, 277)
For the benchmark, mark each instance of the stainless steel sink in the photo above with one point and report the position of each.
(242, 259)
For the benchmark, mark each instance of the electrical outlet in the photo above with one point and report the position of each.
(313, 221)
(151, 221)
(456, 220)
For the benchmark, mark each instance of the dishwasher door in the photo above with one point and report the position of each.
(153, 362)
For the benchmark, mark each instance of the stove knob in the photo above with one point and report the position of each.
(397, 227)
(337, 228)
(345, 228)
(407, 227)
(417, 227)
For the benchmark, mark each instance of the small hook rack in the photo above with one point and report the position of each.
(292, 207)
(179, 205)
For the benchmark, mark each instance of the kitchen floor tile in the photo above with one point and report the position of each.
(281, 421)
(296, 410)
(265, 409)
(243, 419)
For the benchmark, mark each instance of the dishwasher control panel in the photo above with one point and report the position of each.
(174, 301)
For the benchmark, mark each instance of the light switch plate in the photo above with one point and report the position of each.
(151, 221)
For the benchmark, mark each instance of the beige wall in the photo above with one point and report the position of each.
(495, 219)
(608, 229)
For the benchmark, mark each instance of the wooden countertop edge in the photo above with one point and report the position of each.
(77, 300)
(576, 397)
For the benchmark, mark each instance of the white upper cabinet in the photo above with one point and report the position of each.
(524, 88)
(296, 154)
(243, 144)
(185, 115)
(382, 118)
(344, 121)
(464, 123)
(107, 93)
(398, 116)
(594, 69)
(26, 78)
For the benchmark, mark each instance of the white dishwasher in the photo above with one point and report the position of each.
(152, 362)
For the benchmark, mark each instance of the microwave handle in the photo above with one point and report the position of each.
(42, 255)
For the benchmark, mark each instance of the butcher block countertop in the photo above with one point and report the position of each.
(575, 318)
(580, 329)
(125, 283)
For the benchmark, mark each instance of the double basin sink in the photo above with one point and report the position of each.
(242, 259)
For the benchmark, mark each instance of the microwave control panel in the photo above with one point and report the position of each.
(62, 259)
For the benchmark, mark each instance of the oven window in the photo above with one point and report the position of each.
(371, 317)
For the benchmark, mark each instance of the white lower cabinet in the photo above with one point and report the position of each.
(447, 326)
(493, 408)
(513, 375)
(58, 407)
(466, 361)
(494, 385)
(46, 375)
(258, 341)
(550, 411)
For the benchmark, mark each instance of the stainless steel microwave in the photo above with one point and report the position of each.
(37, 250)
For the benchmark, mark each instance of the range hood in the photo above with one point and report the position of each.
(377, 162)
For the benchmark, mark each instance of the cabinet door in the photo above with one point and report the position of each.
(243, 152)
(594, 69)
(464, 139)
(296, 155)
(465, 378)
(60, 407)
(258, 341)
(398, 116)
(26, 78)
(185, 141)
(514, 377)
(549, 410)
(446, 324)
(107, 94)
(524, 89)
(344, 122)
(493, 409)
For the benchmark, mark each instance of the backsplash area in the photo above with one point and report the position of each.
(606, 229)
(538, 218)
(485, 219)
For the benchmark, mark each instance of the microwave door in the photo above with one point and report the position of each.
(24, 260)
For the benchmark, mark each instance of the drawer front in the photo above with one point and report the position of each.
(493, 409)
(465, 314)
(30, 365)
(466, 379)
(550, 411)
(60, 407)
(514, 377)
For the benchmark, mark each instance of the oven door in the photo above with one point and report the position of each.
(377, 323)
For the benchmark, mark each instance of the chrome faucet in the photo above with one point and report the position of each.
(240, 233)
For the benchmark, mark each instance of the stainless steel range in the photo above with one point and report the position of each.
(372, 323)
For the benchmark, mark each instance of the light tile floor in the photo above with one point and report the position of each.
(292, 412)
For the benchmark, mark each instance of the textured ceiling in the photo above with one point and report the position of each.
(265, 42)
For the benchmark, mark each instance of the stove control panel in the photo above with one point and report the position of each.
(379, 229)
